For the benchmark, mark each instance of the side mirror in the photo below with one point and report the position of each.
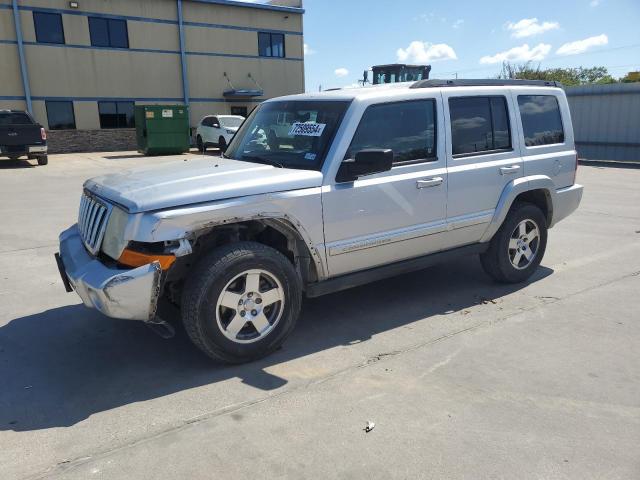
(367, 162)
(216, 125)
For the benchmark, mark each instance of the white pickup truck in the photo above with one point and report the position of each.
(363, 184)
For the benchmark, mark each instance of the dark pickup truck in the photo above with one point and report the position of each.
(21, 135)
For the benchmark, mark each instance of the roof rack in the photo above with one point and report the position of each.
(483, 83)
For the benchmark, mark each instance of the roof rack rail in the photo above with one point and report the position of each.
(491, 82)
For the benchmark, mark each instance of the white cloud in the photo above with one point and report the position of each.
(422, 52)
(519, 54)
(308, 50)
(458, 23)
(341, 72)
(580, 46)
(527, 27)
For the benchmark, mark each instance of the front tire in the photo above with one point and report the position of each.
(241, 302)
(43, 160)
(222, 144)
(516, 250)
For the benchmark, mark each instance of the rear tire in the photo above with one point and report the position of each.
(43, 160)
(202, 147)
(516, 250)
(241, 302)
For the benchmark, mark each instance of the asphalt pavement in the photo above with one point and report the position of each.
(463, 378)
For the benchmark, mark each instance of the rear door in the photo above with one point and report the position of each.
(483, 157)
(395, 215)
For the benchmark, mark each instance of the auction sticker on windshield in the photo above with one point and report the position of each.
(307, 129)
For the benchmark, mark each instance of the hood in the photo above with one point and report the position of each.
(198, 180)
(231, 129)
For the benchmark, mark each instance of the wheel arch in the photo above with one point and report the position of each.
(539, 190)
(279, 233)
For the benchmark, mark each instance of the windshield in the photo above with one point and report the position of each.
(231, 122)
(294, 134)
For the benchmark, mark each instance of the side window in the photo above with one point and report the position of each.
(107, 32)
(541, 120)
(60, 115)
(479, 124)
(407, 128)
(48, 27)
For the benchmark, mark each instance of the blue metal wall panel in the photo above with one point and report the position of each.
(606, 121)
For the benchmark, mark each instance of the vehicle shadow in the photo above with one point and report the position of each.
(63, 365)
(15, 164)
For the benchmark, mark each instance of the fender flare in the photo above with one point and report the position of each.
(509, 194)
(181, 223)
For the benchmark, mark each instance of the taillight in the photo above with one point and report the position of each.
(43, 134)
(575, 170)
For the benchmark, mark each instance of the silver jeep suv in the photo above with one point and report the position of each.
(321, 192)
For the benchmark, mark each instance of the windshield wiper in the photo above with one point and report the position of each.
(264, 160)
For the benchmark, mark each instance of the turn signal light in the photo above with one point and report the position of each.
(43, 134)
(131, 258)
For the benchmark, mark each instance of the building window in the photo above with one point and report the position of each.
(407, 128)
(60, 115)
(541, 120)
(48, 27)
(479, 124)
(242, 111)
(107, 32)
(271, 44)
(116, 114)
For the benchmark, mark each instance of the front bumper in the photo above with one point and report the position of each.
(117, 293)
(565, 202)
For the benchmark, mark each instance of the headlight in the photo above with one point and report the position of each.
(230, 132)
(113, 243)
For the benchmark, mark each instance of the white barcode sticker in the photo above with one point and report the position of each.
(307, 129)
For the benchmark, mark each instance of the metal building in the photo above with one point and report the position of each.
(81, 66)
(606, 121)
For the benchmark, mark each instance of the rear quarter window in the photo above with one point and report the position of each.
(541, 120)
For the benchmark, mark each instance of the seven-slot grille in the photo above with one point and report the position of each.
(92, 221)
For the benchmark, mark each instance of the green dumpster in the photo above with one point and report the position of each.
(162, 129)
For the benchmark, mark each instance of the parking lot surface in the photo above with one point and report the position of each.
(463, 378)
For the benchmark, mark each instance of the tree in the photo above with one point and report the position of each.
(567, 76)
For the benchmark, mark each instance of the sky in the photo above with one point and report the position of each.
(468, 38)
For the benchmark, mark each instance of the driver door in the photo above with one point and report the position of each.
(398, 214)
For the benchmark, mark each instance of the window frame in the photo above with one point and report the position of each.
(524, 138)
(483, 152)
(403, 163)
(73, 114)
(37, 13)
(115, 102)
(271, 35)
(108, 26)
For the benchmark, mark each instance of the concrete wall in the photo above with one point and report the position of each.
(606, 121)
(219, 38)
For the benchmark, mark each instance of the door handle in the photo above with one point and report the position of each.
(509, 170)
(430, 182)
